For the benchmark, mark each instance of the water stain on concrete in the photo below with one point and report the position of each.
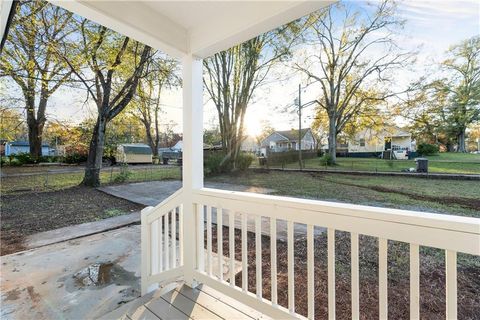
(33, 295)
(12, 295)
(99, 275)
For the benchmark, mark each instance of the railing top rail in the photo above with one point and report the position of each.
(416, 218)
(164, 207)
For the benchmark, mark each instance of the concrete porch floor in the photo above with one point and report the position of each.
(40, 283)
(57, 281)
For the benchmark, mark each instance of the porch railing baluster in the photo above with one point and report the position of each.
(310, 272)
(414, 282)
(331, 272)
(200, 239)
(383, 278)
(273, 259)
(180, 233)
(244, 218)
(231, 243)
(291, 265)
(209, 240)
(160, 244)
(220, 242)
(355, 276)
(258, 255)
(451, 283)
(166, 241)
(174, 237)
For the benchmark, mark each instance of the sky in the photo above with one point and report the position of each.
(431, 28)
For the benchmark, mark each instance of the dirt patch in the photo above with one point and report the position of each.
(29, 213)
(432, 277)
(463, 202)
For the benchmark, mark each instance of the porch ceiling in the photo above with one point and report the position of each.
(201, 28)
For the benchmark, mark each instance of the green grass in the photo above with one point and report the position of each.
(442, 163)
(58, 181)
(358, 189)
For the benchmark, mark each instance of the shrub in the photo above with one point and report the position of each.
(24, 158)
(15, 162)
(426, 149)
(75, 158)
(123, 175)
(216, 163)
(326, 160)
(244, 161)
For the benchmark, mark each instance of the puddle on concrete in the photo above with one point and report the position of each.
(99, 275)
(12, 295)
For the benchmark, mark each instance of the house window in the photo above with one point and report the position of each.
(362, 142)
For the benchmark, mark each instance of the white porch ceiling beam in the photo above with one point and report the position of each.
(135, 20)
(257, 17)
(200, 27)
(5, 6)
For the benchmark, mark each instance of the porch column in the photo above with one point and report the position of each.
(192, 155)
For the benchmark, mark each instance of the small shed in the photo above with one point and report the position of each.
(134, 153)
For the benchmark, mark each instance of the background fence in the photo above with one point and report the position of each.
(45, 179)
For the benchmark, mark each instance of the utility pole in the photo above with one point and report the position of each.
(300, 126)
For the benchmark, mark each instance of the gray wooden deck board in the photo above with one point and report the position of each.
(184, 303)
(221, 309)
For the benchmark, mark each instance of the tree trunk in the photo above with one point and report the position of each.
(332, 138)
(461, 141)
(35, 140)
(35, 130)
(95, 154)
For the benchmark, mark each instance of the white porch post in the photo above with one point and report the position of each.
(192, 155)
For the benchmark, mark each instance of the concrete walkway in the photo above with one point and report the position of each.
(153, 192)
(80, 230)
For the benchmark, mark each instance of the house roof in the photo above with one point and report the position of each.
(136, 148)
(200, 27)
(25, 144)
(293, 134)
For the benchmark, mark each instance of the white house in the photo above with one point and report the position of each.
(250, 144)
(281, 141)
(370, 142)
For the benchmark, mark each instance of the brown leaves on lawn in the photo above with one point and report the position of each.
(432, 277)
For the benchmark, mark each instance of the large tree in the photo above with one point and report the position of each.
(39, 31)
(353, 54)
(115, 66)
(12, 124)
(462, 84)
(161, 74)
(233, 75)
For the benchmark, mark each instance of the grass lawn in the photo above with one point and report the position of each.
(441, 163)
(459, 197)
(45, 181)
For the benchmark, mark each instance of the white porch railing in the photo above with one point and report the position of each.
(162, 241)
(450, 233)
